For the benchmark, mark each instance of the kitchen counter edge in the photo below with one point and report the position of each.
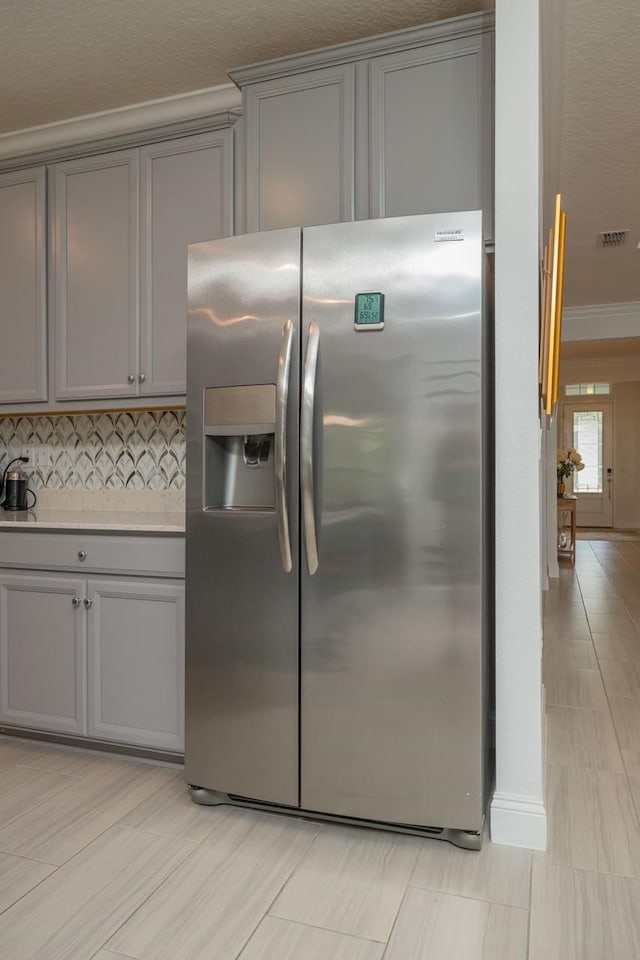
(96, 521)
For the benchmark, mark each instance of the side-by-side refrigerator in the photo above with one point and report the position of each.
(339, 523)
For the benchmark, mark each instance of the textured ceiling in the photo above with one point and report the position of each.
(600, 149)
(66, 58)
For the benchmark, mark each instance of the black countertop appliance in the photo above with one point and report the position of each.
(15, 486)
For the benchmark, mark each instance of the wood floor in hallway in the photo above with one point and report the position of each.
(585, 902)
(105, 858)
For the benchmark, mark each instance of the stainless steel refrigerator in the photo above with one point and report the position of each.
(339, 523)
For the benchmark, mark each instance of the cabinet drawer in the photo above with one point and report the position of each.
(156, 556)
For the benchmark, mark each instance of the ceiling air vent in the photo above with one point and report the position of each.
(612, 238)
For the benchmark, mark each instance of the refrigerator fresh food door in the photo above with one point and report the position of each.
(392, 601)
(242, 516)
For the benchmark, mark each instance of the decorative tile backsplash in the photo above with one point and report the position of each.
(106, 451)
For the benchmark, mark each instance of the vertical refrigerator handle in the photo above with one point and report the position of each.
(306, 447)
(280, 445)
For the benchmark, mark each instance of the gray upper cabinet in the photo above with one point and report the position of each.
(300, 149)
(121, 223)
(431, 129)
(387, 126)
(22, 282)
(186, 196)
(95, 245)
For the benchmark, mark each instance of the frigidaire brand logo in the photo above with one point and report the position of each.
(446, 236)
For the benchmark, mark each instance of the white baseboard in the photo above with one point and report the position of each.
(518, 822)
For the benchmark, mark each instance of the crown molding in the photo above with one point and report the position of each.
(194, 112)
(456, 28)
(601, 321)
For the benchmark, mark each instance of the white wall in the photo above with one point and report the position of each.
(517, 810)
(553, 28)
(550, 541)
(626, 455)
(552, 22)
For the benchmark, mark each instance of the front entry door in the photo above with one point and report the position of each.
(587, 428)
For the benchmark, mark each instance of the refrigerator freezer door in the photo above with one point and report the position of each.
(392, 657)
(242, 516)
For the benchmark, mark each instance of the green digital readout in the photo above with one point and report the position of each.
(369, 310)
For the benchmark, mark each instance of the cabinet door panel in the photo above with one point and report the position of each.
(300, 150)
(95, 215)
(22, 282)
(187, 196)
(42, 653)
(136, 662)
(431, 130)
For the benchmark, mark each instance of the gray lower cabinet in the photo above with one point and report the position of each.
(135, 636)
(23, 316)
(121, 223)
(100, 654)
(42, 653)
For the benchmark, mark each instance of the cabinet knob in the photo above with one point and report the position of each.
(131, 378)
(141, 378)
(87, 602)
(82, 554)
(75, 601)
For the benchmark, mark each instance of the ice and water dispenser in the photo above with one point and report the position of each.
(239, 431)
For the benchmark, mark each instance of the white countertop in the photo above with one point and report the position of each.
(44, 518)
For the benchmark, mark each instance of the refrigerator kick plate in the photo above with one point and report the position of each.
(467, 839)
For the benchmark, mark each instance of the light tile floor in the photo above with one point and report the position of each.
(103, 858)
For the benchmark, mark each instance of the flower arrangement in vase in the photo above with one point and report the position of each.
(568, 461)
